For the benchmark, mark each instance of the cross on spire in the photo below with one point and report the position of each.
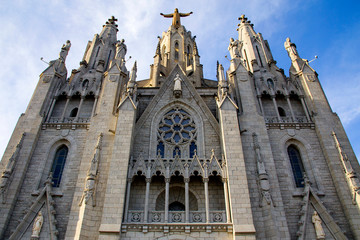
(112, 21)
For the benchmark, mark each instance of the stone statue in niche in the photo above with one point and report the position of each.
(320, 234)
(177, 86)
(234, 48)
(38, 222)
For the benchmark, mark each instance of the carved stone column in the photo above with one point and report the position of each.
(261, 106)
(64, 111)
(291, 109)
(187, 180)
(226, 196)
(51, 109)
(206, 188)
(128, 190)
(276, 108)
(79, 109)
(305, 109)
(167, 183)
(94, 106)
(146, 208)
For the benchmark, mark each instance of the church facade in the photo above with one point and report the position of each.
(254, 154)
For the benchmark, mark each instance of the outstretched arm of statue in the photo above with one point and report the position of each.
(167, 15)
(185, 14)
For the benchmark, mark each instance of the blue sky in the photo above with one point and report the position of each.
(33, 29)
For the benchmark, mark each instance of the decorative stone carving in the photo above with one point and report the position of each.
(217, 217)
(38, 222)
(177, 86)
(4, 180)
(197, 217)
(263, 177)
(351, 176)
(320, 234)
(131, 85)
(222, 85)
(90, 185)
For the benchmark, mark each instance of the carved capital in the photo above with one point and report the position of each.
(186, 180)
(167, 180)
(205, 180)
(148, 180)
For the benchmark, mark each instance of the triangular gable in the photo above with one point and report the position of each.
(168, 83)
(45, 203)
(311, 203)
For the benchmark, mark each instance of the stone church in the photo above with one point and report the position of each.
(251, 154)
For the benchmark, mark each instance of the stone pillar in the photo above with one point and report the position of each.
(291, 110)
(226, 196)
(305, 109)
(167, 182)
(276, 108)
(129, 181)
(64, 111)
(206, 189)
(79, 109)
(187, 210)
(146, 208)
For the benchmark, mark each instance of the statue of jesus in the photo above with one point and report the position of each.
(176, 17)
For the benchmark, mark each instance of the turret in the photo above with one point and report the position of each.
(176, 47)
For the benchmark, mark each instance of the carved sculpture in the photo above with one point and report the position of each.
(38, 222)
(177, 86)
(234, 48)
(264, 183)
(4, 180)
(64, 50)
(90, 185)
(320, 234)
(351, 176)
(176, 17)
(121, 49)
(291, 49)
(222, 85)
(132, 81)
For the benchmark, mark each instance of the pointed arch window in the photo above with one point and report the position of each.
(282, 112)
(58, 165)
(296, 165)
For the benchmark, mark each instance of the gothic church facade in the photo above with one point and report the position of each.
(253, 154)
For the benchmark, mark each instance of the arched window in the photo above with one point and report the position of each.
(282, 112)
(73, 112)
(176, 206)
(85, 84)
(176, 51)
(58, 165)
(296, 165)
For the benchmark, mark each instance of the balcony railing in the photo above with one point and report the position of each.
(274, 119)
(135, 216)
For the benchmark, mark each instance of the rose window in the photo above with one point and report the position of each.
(176, 131)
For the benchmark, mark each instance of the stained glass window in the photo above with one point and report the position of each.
(58, 165)
(296, 165)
